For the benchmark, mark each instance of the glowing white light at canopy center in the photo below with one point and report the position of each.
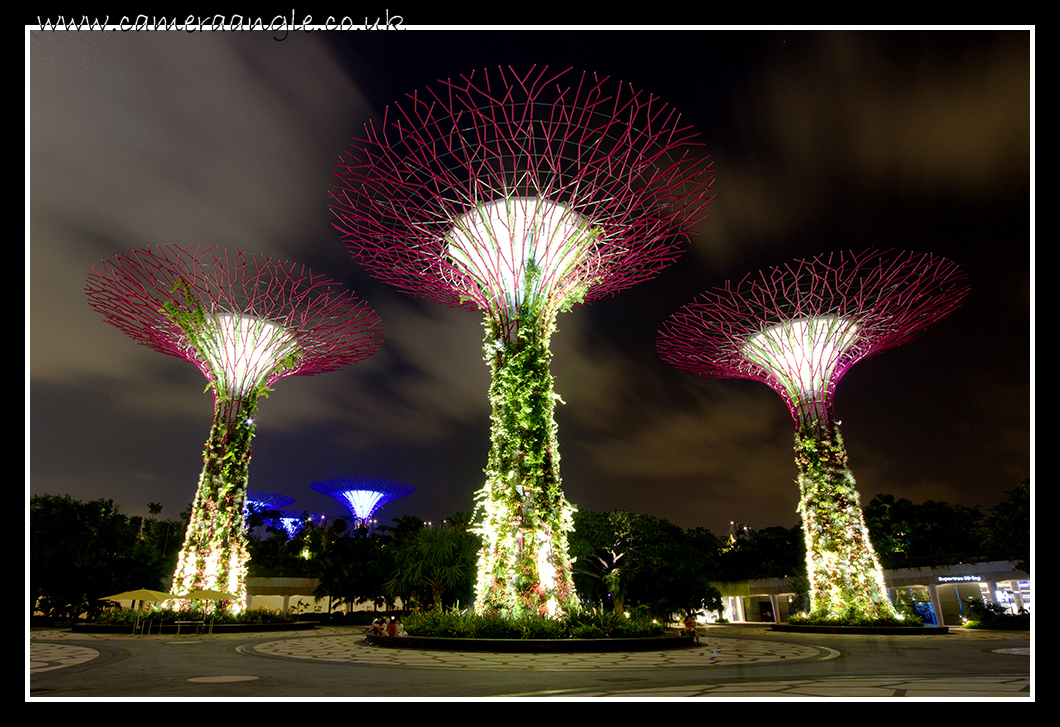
(496, 241)
(243, 350)
(362, 502)
(803, 353)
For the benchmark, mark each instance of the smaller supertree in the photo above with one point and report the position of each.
(799, 329)
(362, 497)
(262, 502)
(263, 508)
(293, 522)
(245, 322)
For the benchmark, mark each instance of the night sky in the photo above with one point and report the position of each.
(821, 140)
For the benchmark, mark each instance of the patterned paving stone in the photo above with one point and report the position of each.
(712, 652)
(45, 657)
(919, 688)
(339, 645)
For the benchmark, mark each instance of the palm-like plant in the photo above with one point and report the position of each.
(435, 559)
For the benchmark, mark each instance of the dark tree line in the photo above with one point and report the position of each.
(626, 560)
(422, 566)
(907, 535)
(80, 552)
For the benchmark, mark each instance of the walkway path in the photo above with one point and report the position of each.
(338, 645)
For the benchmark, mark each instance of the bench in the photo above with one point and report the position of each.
(199, 625)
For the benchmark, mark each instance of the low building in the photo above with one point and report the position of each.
(937, 593)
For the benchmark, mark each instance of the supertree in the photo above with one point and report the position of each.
(293, 522)
(521, 196)
(362, 496)
(259, 501)
(262, 508)
(799, 328)
(245, 322)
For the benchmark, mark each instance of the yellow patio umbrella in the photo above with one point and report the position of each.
(141, 594)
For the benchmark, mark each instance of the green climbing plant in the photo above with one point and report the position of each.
(846, 579)
(521, 512)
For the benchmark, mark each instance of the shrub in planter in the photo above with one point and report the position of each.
(994, 616)
(853, 620)
(587, 631)
(592, 623)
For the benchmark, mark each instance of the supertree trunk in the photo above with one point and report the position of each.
(524, 566)
(214, 555)
(846, 579)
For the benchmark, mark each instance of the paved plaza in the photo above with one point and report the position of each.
(732, 662)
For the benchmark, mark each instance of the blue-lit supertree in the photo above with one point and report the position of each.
(362, 496)
(292, 523)
(263, 502)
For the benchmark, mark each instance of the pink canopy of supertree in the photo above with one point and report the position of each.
(466, 186)
(800, 327)
(141, 292)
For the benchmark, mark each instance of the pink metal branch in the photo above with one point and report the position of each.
(617, 161)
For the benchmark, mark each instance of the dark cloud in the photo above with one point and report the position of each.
(820, 141)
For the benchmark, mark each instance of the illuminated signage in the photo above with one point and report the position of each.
(952, 579)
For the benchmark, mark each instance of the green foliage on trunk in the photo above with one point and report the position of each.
(521, 512)
(846, 579)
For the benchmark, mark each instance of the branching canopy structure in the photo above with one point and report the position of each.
(245, 322)
(260, 501)
(265, 508)
(521, 196)
(293, 522)
(362, 497)
(799, 328)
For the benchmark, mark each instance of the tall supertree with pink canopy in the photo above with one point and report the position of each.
(246, 322)
(520, 196)
(799, 328)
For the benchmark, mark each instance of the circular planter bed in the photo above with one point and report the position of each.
(878, 630)
(651, 643)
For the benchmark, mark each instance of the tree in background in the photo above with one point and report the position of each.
(773, 552)
(436, 567)
(82, 551)
(626, 559)
(908, 535)
(356, 569)
(1009, 527)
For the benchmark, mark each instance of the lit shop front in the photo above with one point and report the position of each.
(939, 593)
